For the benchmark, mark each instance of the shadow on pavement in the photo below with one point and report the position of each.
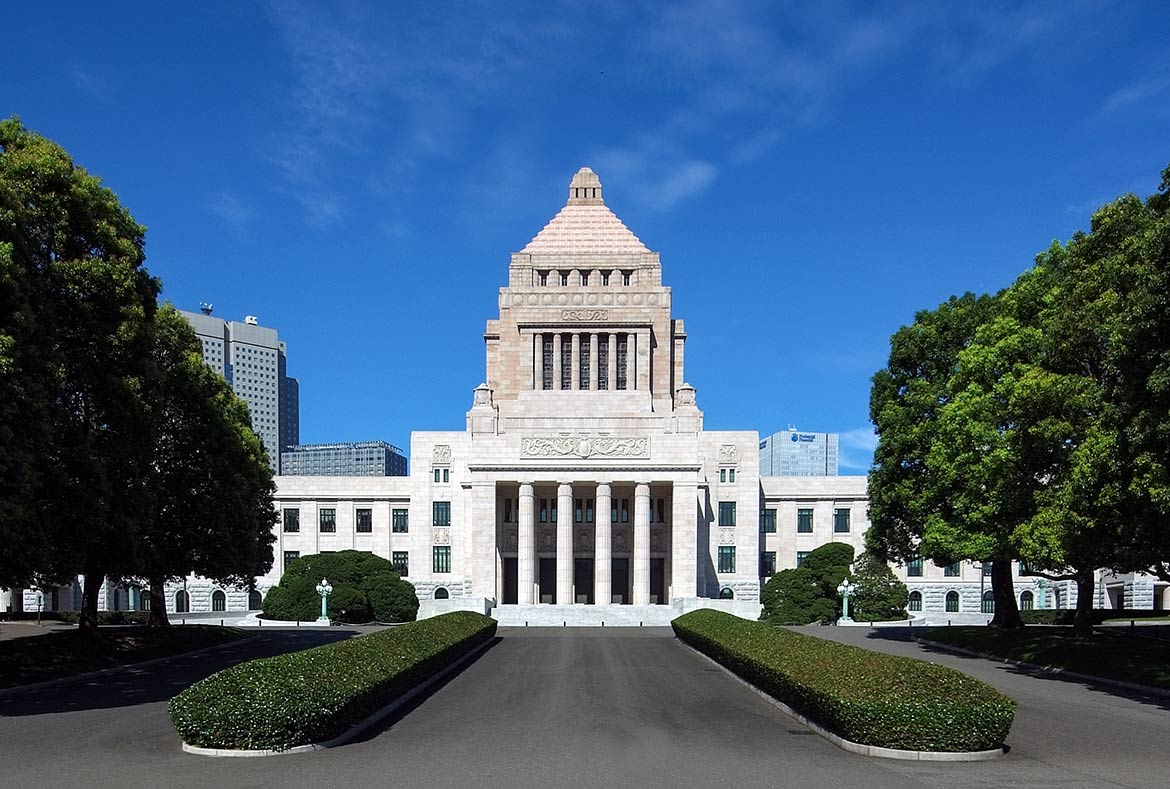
(161, 681)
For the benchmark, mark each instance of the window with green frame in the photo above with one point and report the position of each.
(726, 558)
(727, 513)
(364, 521)
(442, 559)
(767, 564)
(400, 523)
(952, 570)
(442, 512)
(768, 521)
(401, 562)
(914, 568)
(804, 520)
(292, 520)
(841, 520)
(327, 518)
(800, 557)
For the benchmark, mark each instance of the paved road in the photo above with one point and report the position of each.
(1067, 733)
(543, 707)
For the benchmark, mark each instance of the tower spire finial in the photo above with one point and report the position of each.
(585, 188)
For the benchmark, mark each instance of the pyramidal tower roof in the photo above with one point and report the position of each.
(585, 226)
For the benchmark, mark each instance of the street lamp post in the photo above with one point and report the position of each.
(324, 589)
(845, 588)
(1041, 592)
(40, 605)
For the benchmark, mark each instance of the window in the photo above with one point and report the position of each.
(442, 594)
(727, 593)
(722, 475)
(603, 361)
(255, 600)
(566, 361)
(544, 510)
(442, 512)
(605, 278)
(365, 521)
(767, 564)
(952, 570)
(401, 562)
(328, 519)
(621, 361)
(290, 557)
(436, 475)
(399, 521)
(218, 600)
(442, 559)
(182, 602)
(292, 521)
(988, 602)
(914, 568)
(585, 278)
(727, 513)
(768, 521)
(583, 367)
(578, 511)
(625, 510)
(546, 361)
(987, 565)
(915, 601)
(507, 510)
(662, 510)
(589, 510)
(841, 521)
(542, 278)
(804, 521)
(731, 475)
(800, 557)
(952, 602)
(726, 558)
(442, 474)
(1026, 600)
(564, 279)
(626, 278)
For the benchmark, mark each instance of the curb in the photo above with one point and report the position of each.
(354, 730)
(1116, 683)
(102, 672)
(855, 747)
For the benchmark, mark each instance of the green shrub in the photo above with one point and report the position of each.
(806, 594)
(365, 588)
(108, 617)
(316, 694)
(880, 596)
(863, 696)
(1065, 616)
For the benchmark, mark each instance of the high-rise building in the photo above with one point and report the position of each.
(253, 360)
(354, 459)
(794, 453)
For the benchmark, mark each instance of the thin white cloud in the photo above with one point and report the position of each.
(231, 209)
(855, 451)
(1134, 94)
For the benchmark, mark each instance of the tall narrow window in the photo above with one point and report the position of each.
(589, 510)
(605, 279)
(603, 361)
(401, 562)
(328, 519)
(800, 557)
(841, 521)
(621, 361)
(564, 279)
(544, 510)
(507, 510)
(584, 278)
(804, 521)
(914, 568)
(546, 361)
(442, 559)
(768, 521)
(727, 513)
(292, 521)
(625, 510)
(626, 278)
(726, 558)
(364, 521)
(767, 564)
(566, 361)
(578, 511)
(583, 374)
(442, 513)
(542, 278)
(399, 521)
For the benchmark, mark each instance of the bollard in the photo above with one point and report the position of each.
(221, 623)
(1131, 630)
(948, 623)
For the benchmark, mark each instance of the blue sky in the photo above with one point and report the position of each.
(357, 174)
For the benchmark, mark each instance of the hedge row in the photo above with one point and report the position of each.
(863, 696)
(316, 694)
(1065, 616)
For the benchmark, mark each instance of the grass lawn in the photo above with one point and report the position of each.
(65, 653)
(1108, 655)
(1139, 620)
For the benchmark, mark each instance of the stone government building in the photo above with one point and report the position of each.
(584, 487)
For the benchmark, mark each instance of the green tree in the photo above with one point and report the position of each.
(798, 596)
(880, 596)
(209, 479)
(77, 303)
(365, 587)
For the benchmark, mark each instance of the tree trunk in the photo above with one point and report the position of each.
(87, 622)
(1086, 589)
(1007, 611)
(158, 605)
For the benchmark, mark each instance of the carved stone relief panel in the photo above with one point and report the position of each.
(442, 536)
(728, 453)
(727, 536)
(585, 447)
(442, 453)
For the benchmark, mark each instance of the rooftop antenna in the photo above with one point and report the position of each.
(251, 320)
(205, 307)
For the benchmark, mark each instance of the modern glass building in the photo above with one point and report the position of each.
(355, 459)
(794, 453)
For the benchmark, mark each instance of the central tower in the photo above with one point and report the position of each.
(585, 342)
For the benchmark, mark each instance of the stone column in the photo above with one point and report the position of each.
(593, 361)
(684, 540)
(602, 552)
(564, 544)
(611, 365)
(526, 546)
(641, 591)
(575, 380)
(644, 360)
(631, 361)
(556, 383)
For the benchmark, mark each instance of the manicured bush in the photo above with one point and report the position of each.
(316, 694)
(365, 588)
(880, 596)
(806, 594)
(863, 696)
(108, 617)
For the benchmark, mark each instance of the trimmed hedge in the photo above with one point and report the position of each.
(1065, 616)
(863, 696)
(316, 694)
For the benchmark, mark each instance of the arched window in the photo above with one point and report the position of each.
(442, 594)
(726, 593)
(952, 602)
(218, 600)
(182, 602)
(255, 600)
(916, 601)
(1026, 600)
(988, 602)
